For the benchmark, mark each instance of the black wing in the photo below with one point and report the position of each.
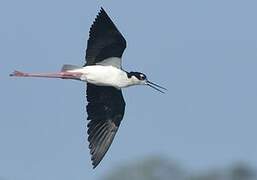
(105, 110)
(104, 41)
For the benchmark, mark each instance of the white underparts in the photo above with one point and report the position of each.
(105, 76)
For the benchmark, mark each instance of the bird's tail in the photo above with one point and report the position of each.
(68, 67)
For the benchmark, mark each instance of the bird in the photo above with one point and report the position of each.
(105, 79)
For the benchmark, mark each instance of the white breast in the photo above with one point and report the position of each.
(104, 76)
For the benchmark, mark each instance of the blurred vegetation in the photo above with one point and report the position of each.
(159, 168)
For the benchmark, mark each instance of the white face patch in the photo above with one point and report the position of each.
(142, 77)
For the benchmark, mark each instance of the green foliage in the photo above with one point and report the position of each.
(160, 168)
(152, 168)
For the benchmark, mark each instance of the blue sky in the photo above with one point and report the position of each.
(204, 52)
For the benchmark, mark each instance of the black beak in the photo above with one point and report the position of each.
(156, 86)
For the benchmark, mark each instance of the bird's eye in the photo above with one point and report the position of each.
(142, 77)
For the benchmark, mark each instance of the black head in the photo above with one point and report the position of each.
(140, 78)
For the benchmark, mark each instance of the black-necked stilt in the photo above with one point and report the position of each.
(105, 78)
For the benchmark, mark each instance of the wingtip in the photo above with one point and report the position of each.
(93, 160)
(94, 164)
(103, 10)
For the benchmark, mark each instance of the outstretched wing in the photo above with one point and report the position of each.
(105, 110)
(105, 41)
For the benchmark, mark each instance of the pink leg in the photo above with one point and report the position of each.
(63, 75)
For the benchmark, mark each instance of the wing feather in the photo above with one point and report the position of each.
(105, 41)
(105, 110)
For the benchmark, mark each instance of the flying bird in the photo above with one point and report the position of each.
(105, 78)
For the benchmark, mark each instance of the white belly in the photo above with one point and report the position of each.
(103, 76)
